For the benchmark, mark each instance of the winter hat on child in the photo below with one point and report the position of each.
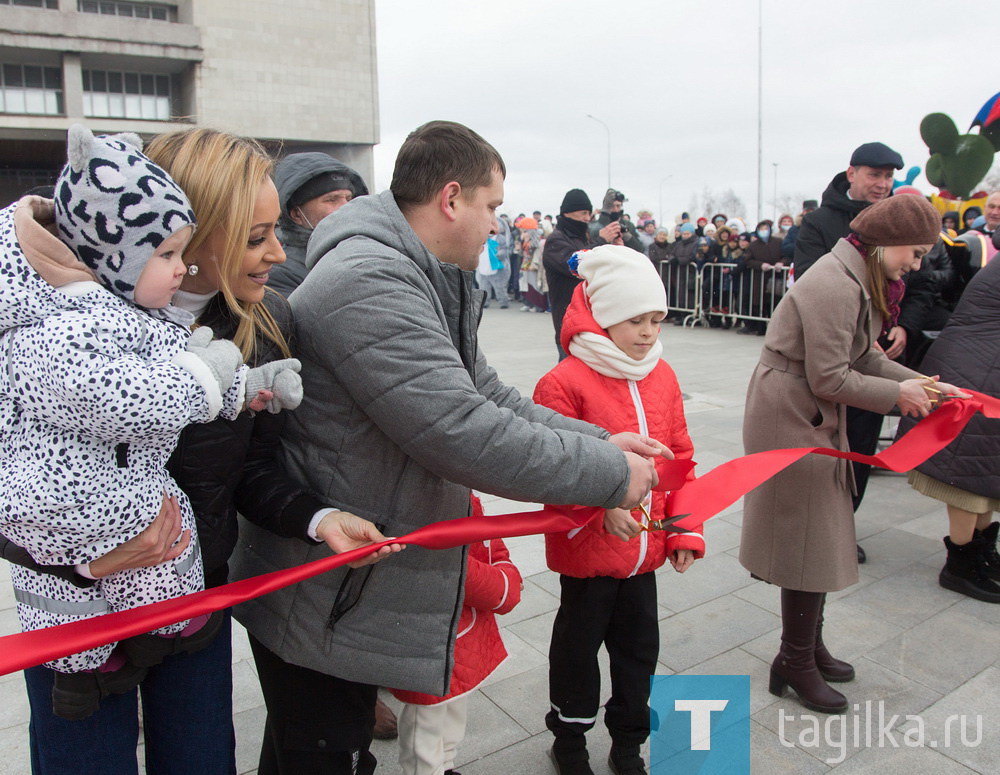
(687, 227)
(114, 207)
(621, 283)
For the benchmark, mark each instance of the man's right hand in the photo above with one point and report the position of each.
(343, 531)
(611, 233)
(642, 478)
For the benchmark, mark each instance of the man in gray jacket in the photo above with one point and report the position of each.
(402, 416)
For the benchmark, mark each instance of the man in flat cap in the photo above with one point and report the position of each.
(867, 180)
(310, 187)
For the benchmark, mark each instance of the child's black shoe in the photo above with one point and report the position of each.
(571, 760)
(626, 760)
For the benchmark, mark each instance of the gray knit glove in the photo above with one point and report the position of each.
(222, 357)
(279, 383)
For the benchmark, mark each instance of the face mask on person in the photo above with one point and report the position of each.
(763, 233)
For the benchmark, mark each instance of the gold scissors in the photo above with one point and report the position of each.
(661, 524)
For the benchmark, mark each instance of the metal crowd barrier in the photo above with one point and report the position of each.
(718, 291)
(683, 285)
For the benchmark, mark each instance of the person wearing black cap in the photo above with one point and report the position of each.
(570, 235)
(867, 180)
(310, 187)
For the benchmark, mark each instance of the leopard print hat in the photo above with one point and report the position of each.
(114, 206)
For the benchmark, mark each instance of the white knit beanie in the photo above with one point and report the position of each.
(621, 284)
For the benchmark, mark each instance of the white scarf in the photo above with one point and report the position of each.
(605, 357)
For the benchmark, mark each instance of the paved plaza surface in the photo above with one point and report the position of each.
(919, 649)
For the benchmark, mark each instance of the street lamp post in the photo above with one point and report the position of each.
(760, 108)
(775, 217)
(662, 216)
(608, 130)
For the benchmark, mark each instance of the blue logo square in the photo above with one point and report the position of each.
(701, 724)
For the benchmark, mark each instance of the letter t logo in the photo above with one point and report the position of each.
(701, 720)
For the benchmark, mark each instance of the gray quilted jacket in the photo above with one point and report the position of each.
(402, 416)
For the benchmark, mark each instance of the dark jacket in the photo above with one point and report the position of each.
(929, 296)
(227, 466)
(822, 227)
(766, 288)
(683, 251)
(630, 237)
(290, 174)
(559, 247)
(658, 253)
(788, 243)
(967, 354)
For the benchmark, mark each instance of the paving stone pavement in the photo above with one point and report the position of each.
(917, 648)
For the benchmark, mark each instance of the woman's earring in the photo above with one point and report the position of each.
(193, 270)
(879, 252)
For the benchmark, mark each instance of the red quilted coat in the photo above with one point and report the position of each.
(652, 407)
(492, 586)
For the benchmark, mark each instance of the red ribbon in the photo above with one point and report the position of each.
(702, 498)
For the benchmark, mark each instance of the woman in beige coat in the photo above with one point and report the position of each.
(819, 356)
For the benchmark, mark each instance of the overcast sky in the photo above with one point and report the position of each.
(676, 82)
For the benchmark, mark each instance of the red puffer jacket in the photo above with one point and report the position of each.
(652, 407)
(492, 586)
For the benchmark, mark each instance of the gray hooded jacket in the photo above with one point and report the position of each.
(401, 416)
(289, 176)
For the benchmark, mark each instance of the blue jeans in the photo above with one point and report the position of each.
(187, 708)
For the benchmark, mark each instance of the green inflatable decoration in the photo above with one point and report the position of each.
(958, 162)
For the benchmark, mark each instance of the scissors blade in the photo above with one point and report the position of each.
(668, 523)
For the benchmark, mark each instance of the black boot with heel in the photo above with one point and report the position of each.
(832, 669)
(795, 665)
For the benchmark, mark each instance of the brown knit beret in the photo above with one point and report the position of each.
(904, 219)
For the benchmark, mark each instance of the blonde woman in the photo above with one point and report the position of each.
(225, 467)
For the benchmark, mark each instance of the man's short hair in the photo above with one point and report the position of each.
(437, 153)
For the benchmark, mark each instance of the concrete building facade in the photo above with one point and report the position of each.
(295, 74)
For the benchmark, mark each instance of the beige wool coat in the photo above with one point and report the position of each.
(819, 356)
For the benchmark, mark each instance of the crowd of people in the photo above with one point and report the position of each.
(216, 368)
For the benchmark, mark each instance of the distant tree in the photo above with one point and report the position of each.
(711, 201)
(731, 204)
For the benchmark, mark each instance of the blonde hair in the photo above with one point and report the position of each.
(222, 175)
(877, 284)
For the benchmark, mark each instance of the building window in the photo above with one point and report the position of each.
(158, 11)
(114, 94)
(52, 5)
(31, 89)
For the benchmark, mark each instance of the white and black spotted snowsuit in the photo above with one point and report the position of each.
(93, 395)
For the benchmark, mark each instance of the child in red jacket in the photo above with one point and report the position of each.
(430, 728)
(613, 378)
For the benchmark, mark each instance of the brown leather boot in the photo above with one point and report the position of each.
(385, 722)
(832, 669)
(795, 665)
